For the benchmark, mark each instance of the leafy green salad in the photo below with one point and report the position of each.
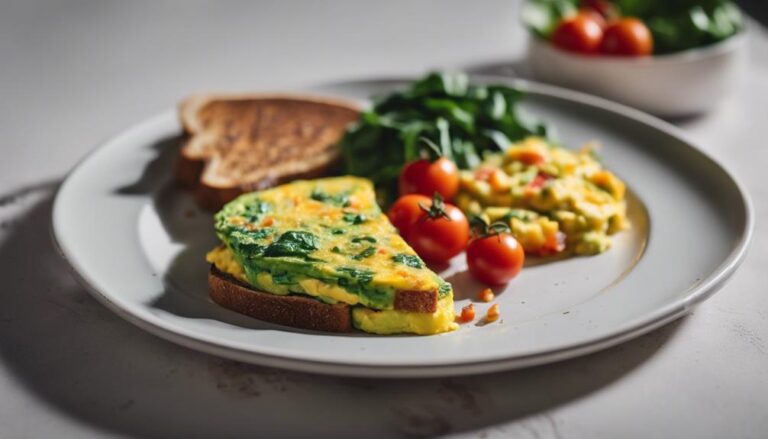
(439, 115)
(675, 25)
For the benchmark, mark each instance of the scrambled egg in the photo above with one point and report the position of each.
(552, 198)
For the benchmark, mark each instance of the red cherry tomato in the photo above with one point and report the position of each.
(426, 178)
(406, 210)
(579, 33)
(495, 259)
(439, 238)
(627, 37)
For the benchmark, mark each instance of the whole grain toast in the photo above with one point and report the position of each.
(295, 311)
(300, 311)
(240, 143)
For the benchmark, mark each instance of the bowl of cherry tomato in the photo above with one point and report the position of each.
(667, 58)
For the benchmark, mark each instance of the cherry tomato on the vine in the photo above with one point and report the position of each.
(440, 233)
(407, 210)
(495, 259)
(426, 177)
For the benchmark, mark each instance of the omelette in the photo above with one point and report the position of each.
(328, 239)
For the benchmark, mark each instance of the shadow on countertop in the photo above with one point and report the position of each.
(77, 356)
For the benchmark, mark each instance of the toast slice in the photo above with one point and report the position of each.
(295, 311)
(240, 143)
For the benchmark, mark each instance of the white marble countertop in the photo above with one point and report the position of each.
(75, 72)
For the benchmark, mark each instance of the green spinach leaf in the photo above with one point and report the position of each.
(341, 200)
(360, 275)
(412, 261)
(367, 253)
(370, 239)
(354, 218)
(293, 243)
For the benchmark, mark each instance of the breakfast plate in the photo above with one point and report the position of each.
(138, 242)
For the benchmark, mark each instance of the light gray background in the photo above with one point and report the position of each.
(76, 72)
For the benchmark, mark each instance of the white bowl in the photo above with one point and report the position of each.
(678, 84)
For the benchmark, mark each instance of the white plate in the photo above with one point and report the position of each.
(138, 242)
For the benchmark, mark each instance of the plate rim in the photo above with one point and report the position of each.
(632, 329)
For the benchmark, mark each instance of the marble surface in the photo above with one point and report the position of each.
(75, 72)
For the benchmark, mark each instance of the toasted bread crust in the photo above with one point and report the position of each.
(239, 143)
(416, 301)
(295, 311)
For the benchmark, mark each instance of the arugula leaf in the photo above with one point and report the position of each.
(293, 243)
